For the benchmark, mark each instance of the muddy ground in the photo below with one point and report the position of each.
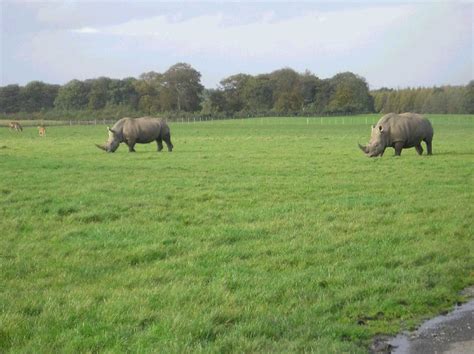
(452, 333)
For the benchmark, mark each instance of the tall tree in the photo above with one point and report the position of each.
(421, 94)
(122, 92)
(351, 94)
(147, 89)
(380, 98)
(99, 92)
(213, 102)
(468, 105)
(324, 91)
(183, 84)
(445, 99)
(73, 95)
(37, 95)
(151, 77)
(309, 87)
(258, 93)
(287, 90)
(407, 101)
(234, 91)
(10, 99)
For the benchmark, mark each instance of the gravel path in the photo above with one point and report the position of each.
(452, 333)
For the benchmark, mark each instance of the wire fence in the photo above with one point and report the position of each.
(331, 120)
(49, 123)
(347, 120)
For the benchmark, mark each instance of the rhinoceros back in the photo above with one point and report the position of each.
(409, 128)
(143, 130)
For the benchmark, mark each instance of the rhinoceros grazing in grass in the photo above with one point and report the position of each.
(400, 131)
(138, 131)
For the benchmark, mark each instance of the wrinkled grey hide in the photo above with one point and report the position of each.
(138, 131)
(400, 131)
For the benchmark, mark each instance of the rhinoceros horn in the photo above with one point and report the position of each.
(363, 148)
(102, 147)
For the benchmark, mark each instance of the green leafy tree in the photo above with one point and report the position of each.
(234, 91)
(419, 100)
(287, 90)
(10, 99)
(37, 95)
(351, 94)
(438, 101)
(148, 98)
(182, 87)
(454, 99)
(309, 87)
(258, 94)
(151, 98)
(324, 91)
(122, 92)
(446, 99)
(73, 95)
(289, 102)
(407, 101)
(215, 102)
(99, 92)
(168, 100)
(392, 104)
(468, 105)
(151, 77)
(380, 98)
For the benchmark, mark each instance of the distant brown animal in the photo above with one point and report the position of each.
(15, 126)
(42, 131)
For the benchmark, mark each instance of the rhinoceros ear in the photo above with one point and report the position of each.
(111, 130)
(380, 128)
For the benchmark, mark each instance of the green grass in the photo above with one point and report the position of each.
(261, 235)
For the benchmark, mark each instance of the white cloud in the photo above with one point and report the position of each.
(391, 45)
(313, 33)
(86, 30)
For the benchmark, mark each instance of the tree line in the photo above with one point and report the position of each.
(443, 100)
(178, 91)
(288, 92)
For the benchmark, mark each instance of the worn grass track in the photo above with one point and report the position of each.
(262, 235)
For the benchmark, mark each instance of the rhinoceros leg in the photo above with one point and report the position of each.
(429, 147)
(398, 148)
(131, 145)
(419, 149)
(159, 142)
(167, 139)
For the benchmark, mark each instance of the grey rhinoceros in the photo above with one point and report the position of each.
(400, 131)
(138, 130)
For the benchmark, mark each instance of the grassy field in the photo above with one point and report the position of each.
(260, 235)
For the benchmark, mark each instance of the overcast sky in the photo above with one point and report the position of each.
(392, 44)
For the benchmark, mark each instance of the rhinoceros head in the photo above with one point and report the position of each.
(112, 143)
(377, 143)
